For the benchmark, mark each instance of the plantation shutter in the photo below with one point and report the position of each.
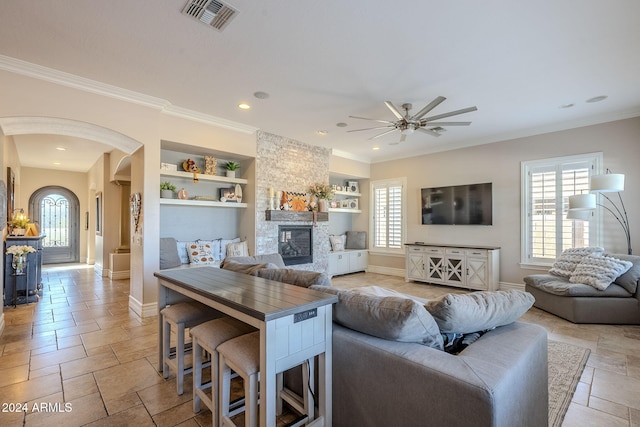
(388, 214)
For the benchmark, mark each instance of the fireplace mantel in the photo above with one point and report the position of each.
(278, 215)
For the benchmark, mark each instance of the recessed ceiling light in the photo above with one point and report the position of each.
(261, 95)
(375, 148)
(567, 105)
(341, 125)
(56, 163)
(596, 99)
(244, 106)
(60, 148)
(322, 132)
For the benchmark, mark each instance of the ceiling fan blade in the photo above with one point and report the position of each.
(429, 131)
(383, 133)
(449, 114)
(445, 123)
(377, 127)
(375, 120)
(433, 104)
(393, 109)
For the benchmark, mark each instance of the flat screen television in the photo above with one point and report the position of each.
(457, 205)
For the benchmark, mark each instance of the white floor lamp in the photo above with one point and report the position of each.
(605, 183)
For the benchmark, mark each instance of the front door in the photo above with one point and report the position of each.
(56, 211)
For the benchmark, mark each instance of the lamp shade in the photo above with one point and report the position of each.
(579, 214)
(582, 202)
(607, 183)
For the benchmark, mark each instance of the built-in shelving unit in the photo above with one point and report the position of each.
(345, 195)
(202, 177)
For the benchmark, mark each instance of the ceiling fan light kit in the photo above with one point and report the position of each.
(407, 124)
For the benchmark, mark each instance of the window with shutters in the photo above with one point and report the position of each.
(388, 208)
(547, 185)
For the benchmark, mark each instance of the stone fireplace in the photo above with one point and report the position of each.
(295, 244)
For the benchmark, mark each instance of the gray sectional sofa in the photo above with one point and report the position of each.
(619, 303)
(498, 380)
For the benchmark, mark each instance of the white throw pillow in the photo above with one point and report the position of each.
(200, 252)
(599, 271)
(237, 249)
(570, 258)
(337, 242)
(223, 247)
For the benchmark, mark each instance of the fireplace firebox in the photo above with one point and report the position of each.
(295, 244)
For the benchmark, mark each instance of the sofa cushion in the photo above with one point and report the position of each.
(629, 280)
(274, 258)
(251, 269)
(237, 249)
(562, 287)
(384, 292)
(292, 276)
(356, 240)
(599, 271)
(337, 242)
(391, 318)
(169, 257)
(183, 253)
(200, 252)
(479, 311)
(570, 258)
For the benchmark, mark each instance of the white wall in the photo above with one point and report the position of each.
(499, 163)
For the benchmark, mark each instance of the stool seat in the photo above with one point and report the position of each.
(181, 316)
(244, 351)
(208, 336)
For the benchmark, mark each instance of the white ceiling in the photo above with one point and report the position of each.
(323, 60)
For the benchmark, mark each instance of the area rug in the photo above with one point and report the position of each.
(566, 363)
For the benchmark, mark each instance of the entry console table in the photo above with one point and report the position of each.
(294, 323)
(471, 267)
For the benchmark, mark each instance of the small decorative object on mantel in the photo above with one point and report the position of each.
(322, 192)
(190, 165)
(284, 202)
(272, 198)
(210, 165)
(232, 167)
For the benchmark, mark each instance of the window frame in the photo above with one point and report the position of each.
(595, 224)
(393, 182)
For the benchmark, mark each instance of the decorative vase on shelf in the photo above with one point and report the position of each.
(166, 194)
(183, 194)
(323, 205)
(18, 231)
(231, 174)
(18, 263)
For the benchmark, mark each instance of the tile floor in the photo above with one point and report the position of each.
(81, 357)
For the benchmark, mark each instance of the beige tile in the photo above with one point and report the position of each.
(14, 359)
(614, 409)
(582, 416)
(32, 389)
(56, 357)
(174, 416)
(88, 364)
(79, 386)
(634, 417)
(78, 330)
(54, 369)
(136, 416)
(77, 412)
(161, 397)
(620, 344)
(616, 388)
(104, 337)
(13, 375)
(122, 403)
(581, 395)
(126, 378)
(609, 361)
(587, 375)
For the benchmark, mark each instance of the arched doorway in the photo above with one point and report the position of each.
(56, 210)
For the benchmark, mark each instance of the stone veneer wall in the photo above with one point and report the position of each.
(288, 165)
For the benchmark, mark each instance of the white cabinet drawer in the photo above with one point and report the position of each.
(477, 253)
(433, 250)
(455, 251)
(416, 249)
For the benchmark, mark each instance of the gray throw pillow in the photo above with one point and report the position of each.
(356, 240)
(629, 280)
(479, 311)
(302, 278)
(251, 269)
(169, 257)
(391, 318)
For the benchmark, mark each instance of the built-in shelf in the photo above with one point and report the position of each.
(278, 215)
(345, 210)
(347, 193)
(203, 177)
(203, 203)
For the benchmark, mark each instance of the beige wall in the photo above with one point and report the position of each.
(499, 163)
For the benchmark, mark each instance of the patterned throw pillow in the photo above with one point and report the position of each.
(599, 271)
(200, 252)
(337, 243)
(570, 258)
(237, 249)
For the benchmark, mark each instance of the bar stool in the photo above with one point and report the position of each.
(181, 316)
(208, 336)
(242, 355)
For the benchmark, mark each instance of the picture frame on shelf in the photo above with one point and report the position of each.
(353, 187)
(228, 195)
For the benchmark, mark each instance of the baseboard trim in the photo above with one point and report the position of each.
(119, 275)
(143, 310)
(505, 286)
(389, 271)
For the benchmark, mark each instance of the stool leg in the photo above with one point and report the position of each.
(197, 373)
(180, 358)
(251, 400)
(224, 388)
(279, 388)
(166, 347)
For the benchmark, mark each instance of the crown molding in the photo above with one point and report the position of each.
(62, 78)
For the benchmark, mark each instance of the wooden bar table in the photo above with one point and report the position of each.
(294, 324)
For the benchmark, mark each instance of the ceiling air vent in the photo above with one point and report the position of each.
(210, 12)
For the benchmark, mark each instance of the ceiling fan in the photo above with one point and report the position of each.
(406, 124)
